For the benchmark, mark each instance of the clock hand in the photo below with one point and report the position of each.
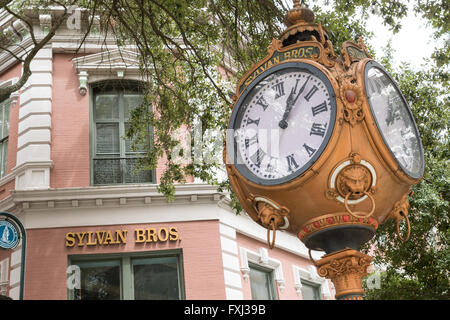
(290, 102)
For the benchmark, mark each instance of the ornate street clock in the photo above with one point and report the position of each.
(323, 146)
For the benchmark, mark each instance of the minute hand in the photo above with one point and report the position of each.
(290, 102)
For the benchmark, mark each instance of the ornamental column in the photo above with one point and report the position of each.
(33, 163)
(345, 269)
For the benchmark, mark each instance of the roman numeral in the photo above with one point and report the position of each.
(320, 108)
(296, 84)
(262, 102)
(257, 157)
(291, 162)
(279, 88)
(251, 141)
(272, 165)
(311, 93)
(318, 129)
(309, 149)
(250, 121)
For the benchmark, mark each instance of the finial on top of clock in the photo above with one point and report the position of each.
(298, 14)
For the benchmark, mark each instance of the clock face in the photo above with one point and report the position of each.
(394, 119)
(282, 123)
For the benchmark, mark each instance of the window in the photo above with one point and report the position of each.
(310, 291)
(114, 162)
(309, 285)
(129, 277)
(261, 282)
(251, 263)
(4, 270)
(4, 134)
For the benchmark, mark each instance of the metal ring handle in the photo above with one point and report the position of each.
(274, 228)
(311, 258)
(408, 233)
(356, 215)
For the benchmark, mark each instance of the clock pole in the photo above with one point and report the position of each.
(339, 174)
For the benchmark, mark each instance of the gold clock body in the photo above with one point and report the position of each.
(356, 180)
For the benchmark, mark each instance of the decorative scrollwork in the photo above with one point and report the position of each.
(351, 95)
(345, 269)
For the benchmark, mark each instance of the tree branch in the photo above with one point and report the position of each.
(26, 72)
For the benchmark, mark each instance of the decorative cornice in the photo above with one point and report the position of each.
(112, 196)
(17, 170)
(45, 21)
(115, 63)
(110, 60)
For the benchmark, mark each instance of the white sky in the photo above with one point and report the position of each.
(412, 43)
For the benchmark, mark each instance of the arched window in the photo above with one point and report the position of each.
(113, 160)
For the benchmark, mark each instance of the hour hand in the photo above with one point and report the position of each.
(290, 102)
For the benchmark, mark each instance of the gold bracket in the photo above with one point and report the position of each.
(400, 212)
(270, 215)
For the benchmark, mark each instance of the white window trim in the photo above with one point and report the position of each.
(310, 275)
(15, 95)
(262, 258)
(107, 65)
(4, 273)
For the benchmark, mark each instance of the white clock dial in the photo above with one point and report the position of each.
(284, 124)
(394, 119)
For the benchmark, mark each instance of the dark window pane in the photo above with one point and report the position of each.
(3, 157)
(156, 279)
(136, 176)
(310, 291)
(99, 281)
(108, 140)
(107, 171)
(106, 107)
(131, 101)
(140, 147)
(261, 284)
(4, 118)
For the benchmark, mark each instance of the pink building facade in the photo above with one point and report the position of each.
(96, 231)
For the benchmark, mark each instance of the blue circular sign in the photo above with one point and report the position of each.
(9, 237)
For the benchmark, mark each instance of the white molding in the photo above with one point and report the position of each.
(230, 262)
(13, 97)
(4, 276)
(182, 192)
(24, 171)
(8, 82)
(310, 275)
(7, 178)
(33, 158)
(20, 50)
(45, 22)
(108, 64)
(262, 258)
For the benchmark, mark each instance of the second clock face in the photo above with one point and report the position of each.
(283, 123)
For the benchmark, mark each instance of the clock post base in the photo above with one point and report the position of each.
(345, 268)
